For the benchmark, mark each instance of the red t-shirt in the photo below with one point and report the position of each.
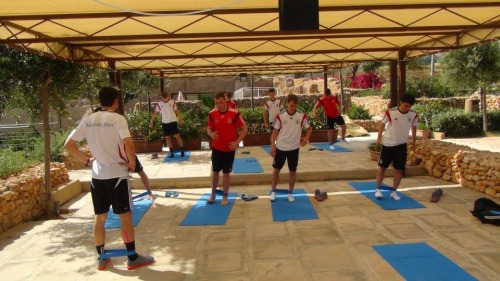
(226, 124)
(329, 105)
(231, 104)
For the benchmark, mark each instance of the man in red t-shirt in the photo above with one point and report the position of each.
(223, 124)
(331, 106)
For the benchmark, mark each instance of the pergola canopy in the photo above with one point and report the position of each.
(226, 37)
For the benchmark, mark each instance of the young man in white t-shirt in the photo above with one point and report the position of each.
(114, 157)
(397, 123)
(170, 121)
(286, 141)
(271, 108)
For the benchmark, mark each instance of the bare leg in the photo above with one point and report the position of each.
(215, 182)
(274, 182)
(343, 129)
(128, 233)
(292, 179)
(380, 176)
(179, 140)
(398, 175)
(329, 135)
(226, 181)
(169, 143)
(145, 180)
(99, 231)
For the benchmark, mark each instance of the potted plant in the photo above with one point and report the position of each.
(374, 151)
(145, 139)
(191, 130)
(424, 131)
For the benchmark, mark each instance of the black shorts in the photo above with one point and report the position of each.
(330, 122)
(222, 160)
(170, 129)
(111, 192)
(292, 156)
(395, 154)
(138, 166)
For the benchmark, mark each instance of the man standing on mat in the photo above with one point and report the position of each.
(397, 122)
(286, 141)
(170, 121)
(331, 107)
(223, 124)
(272, 107)
(111, 145)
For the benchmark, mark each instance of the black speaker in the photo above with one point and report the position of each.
(299, 15)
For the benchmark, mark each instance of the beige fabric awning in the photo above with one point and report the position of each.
(226, 37)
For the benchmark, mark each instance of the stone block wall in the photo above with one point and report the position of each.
(22, 197)
(474, 169)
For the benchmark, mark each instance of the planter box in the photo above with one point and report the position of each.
(191, 144)
(321, 136)
(426, 134)
(374, 155)
(257, 139)
(144, 146)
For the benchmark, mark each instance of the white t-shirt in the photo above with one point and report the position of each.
(398, 126)
(167, 110)
(105, 131)
(273, 108)
(290, 127)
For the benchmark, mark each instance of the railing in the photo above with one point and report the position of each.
(20, 136)
(246, 92)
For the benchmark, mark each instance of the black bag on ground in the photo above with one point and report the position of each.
(487, 210)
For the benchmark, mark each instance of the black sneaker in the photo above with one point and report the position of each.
(182, 154)
(171, 155)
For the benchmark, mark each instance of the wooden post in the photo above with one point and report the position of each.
(44, 90)
(402, 74)
(393, 69)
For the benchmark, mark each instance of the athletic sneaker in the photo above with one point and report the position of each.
(378, 193)
(101, 264)
(332, 147)
(140, 261)
(182, 154)
(171, 155)
(345, 140)
(395, 196)
(290, 197)
(273, 196)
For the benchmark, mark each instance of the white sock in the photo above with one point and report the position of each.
(290, 198)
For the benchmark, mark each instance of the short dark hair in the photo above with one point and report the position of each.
(165, 95)
(292, 97)
(408, 98)
(229, 94)
(219, 95)
(107, 96)
(328, 91)
(271, 90)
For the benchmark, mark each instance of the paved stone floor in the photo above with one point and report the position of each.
(337, 246)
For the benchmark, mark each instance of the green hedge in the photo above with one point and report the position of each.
(458, 124)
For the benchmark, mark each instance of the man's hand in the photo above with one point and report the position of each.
(214, 135)
(233, 145)
(304, 141)
(129, 166)
(273, 150)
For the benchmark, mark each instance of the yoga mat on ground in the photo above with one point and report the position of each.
(267, 148)
(177, 157)
(140, 208)
(419, 261)
(387, 203)
(326, 146)
(300, 209)
(203, 213)
(247, 165)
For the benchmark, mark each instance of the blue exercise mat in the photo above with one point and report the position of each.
(267, 148)
(419, 261)
(203, 213)
(140, 208)
(177, 157)
(387, 203)
(326, 146)
(300, 209)
(247, 165)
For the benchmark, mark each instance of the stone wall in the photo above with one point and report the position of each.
(474, 169)
(22, 197)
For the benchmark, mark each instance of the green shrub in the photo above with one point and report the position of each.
(358, 112)
(427, 109)
(57, 140)
(432, 88)
(369, 92)
(457, 124)
(254, 120)
(318, 123)
(138, 123)
(374, 147)
(14, 161)
(494, 121)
